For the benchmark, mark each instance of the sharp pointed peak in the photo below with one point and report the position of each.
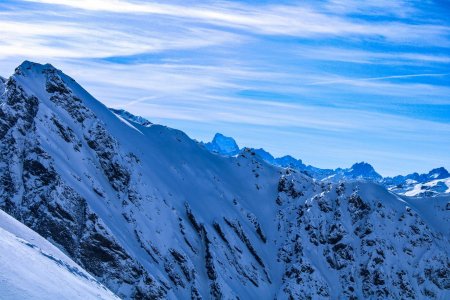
(29, 66)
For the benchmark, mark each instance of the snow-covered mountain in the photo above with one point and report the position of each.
(227, 146)
(435, 183)
(32, 268)
(359, 171)
(152, 214)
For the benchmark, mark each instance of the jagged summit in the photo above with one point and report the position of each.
(439, 173)
(223, 145)
(434, 183)
(33, 67)
(227, 146)
(363, 170)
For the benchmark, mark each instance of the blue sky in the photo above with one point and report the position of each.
(330, 82)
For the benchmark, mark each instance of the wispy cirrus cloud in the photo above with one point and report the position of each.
(69, 39)
(397, 92)
(347, 80)
(200, 82)
(398, 8)
(340, 54)
(293, 20)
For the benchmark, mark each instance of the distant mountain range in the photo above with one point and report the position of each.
(434, 183)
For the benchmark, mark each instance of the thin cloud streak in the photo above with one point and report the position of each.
(267, 113)
(377, 78)
(75, 40)
(368, 57)
(290, 20)
(181, 81)
(396, 8)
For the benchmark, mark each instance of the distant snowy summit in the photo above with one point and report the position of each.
(434, 183)
(223, 145)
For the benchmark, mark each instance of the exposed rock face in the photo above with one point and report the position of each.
(356, 235)
(33, 192)
(223, 145)
(153, 215)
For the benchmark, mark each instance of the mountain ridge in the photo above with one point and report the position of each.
(152, 214)
(421, 184)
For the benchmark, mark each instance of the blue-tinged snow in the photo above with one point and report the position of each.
(32, 268)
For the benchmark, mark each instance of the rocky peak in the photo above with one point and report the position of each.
(291, 162)
(27, 67)
(438, 173)
(434, 183)
(363, 170)
(223, 145)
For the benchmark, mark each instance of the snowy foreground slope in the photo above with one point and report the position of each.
(32, 268)
(152, 214)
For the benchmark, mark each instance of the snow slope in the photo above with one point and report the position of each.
(32, 268)
(152, 214)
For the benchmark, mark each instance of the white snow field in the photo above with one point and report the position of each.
(32, 268)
